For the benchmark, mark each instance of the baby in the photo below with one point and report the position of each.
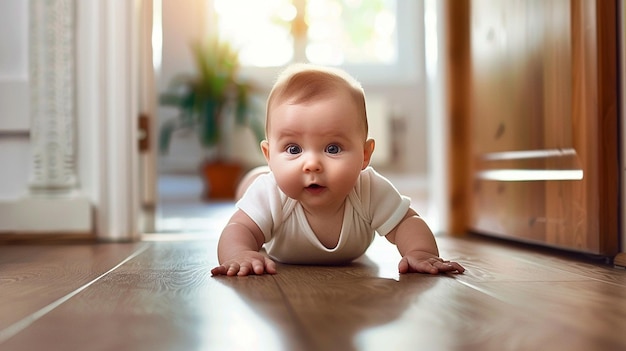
(320, 202)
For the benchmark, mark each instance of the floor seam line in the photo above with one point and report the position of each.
(25, 322)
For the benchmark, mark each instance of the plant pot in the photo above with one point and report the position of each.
(220, 179)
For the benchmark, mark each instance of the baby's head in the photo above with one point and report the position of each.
(316, 134)
(303, 83)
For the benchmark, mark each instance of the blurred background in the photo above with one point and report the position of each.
(119, 118)
(380, 42)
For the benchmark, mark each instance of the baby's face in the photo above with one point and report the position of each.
(317, 150)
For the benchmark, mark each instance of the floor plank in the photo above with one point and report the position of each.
(594, 311)
(34, 276)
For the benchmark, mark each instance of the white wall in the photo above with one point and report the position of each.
(14, 99)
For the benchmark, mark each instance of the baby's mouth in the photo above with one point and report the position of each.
(315, 188)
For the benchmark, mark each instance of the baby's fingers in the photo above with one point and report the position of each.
(219, 270)
(432, 265)
(247, 267)
(253, 267)
(233, 269)
(445, 266)
(270, 266)
(260, 266)
(244, 270)
(448, 266)
(410, 264)
(230, 269)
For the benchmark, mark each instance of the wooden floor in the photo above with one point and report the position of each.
(159, 295)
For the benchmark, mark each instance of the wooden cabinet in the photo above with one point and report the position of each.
(542, 122)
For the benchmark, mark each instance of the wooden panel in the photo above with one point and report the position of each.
(544, 122)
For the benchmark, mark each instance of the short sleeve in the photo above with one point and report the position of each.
(385, 206)
(262, 202)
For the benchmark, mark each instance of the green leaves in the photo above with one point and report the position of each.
(212, 93)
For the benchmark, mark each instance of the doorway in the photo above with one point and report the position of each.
(403, 100)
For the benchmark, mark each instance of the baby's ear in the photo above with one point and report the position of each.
(265, 147)
(368, 150)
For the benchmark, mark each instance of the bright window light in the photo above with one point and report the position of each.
(336, 32)
(259, 29)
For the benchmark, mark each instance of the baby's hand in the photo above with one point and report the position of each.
(433, 265)
(245, 263)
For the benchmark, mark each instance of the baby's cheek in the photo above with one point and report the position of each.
(345, 181)
(288, 185)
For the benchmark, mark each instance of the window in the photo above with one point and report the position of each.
(362, 36)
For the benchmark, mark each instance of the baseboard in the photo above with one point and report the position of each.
(72, 214)
(29, 238)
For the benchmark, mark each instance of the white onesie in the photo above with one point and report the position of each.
(374, 205)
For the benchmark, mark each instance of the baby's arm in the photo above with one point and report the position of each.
(238, 248)
(418, 248)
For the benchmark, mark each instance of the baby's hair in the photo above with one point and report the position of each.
(302, 83)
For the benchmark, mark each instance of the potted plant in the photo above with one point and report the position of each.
(210, 102)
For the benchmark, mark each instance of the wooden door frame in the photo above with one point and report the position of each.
(595, 93)
(457, 56)
(620, 259)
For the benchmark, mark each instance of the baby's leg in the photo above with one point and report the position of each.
(248, 179)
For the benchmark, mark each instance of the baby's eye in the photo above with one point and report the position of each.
(293, 149)
(333, 149)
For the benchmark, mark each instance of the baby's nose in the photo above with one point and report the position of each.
(312, 163)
